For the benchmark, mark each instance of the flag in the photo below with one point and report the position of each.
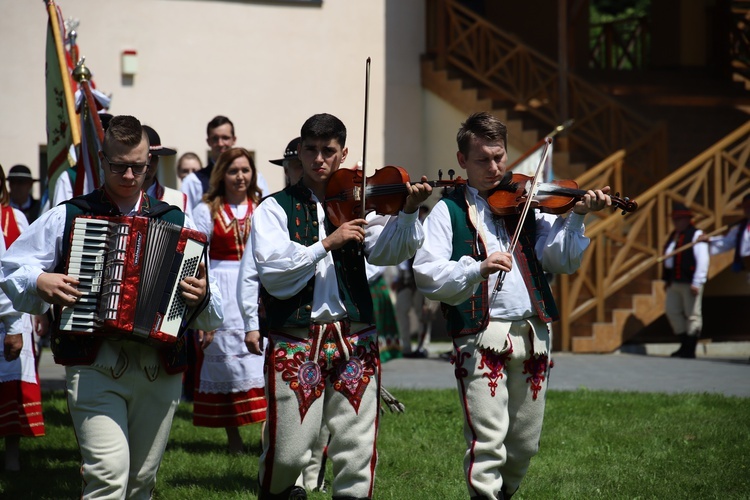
(62, 126)
(88, 176)
(529, 161)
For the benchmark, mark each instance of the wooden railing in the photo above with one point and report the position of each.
(624, 249)
(619, 45)
(457, 37)
(739, 41)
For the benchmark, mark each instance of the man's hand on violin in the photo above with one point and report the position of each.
(418, 193)
(593, 201)
(495, 262)
(346, 232)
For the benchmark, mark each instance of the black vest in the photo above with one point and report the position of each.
(81, 349)
(684, 262)
(302, 224)
(472, 316)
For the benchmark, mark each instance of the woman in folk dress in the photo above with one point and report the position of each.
(230, 391)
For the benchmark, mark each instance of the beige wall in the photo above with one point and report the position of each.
(268, 67)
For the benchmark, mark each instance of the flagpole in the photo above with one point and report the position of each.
(55, 22)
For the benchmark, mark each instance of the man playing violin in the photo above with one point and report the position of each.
(322, 359)
(501, 339)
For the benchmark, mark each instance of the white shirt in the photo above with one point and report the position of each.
(726, 243)
(39, 250)
(248, 288)
(11, 318)
(285, 266)
(560, 244)
(702, 259)
(193, 189)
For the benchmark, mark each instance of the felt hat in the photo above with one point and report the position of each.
(290, 153)
(155, 147)
(20, 173)
(680, 211)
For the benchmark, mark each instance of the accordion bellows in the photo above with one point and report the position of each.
(129, 270)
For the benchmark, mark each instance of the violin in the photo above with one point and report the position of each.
(385, 192)
(556, 197)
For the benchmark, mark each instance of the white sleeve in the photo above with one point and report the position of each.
(203, 221)
(193, 189)
(248, 288)
(391, 240)
(702, 261)
(212, 316)
(35, 252)
(726, 243)
(560, 242)
(436, 275)
(12, 319)
(284, 266)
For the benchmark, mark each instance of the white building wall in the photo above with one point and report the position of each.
(267, 67)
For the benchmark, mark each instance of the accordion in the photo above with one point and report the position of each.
(129, 270)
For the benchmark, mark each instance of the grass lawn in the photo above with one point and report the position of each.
(595, 445)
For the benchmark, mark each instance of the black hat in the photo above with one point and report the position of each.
(21, 173)
(680, 211)
(155, 147)
(290, 153)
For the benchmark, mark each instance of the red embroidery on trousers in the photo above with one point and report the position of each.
(304, 377)
(495, 362)
(536, 367)
(352, 377)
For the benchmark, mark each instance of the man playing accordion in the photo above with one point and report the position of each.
(122, 392)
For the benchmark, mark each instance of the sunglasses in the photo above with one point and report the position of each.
(121, 168)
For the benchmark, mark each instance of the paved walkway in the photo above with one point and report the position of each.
(725, 372)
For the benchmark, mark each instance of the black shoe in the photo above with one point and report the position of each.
(298, 493)
(422, 353)
(689, 347)
(679, 352)
(446, 355)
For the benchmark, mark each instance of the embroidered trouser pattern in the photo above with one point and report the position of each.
(503, 395)
(329, 377)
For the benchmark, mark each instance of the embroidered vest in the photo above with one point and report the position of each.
(81, 349)
(228, 240)
(302, 223)
(472, 316)
(684, 262)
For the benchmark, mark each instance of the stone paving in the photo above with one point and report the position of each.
(725, 371)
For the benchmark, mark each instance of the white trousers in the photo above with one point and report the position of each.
(331, 378)
(122, 417)
(684, 310)
(502, 385)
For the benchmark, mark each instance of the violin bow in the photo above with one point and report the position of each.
(526, 206)
(364, 141)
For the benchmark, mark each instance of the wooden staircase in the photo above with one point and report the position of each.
(452, 89)
(617, 291)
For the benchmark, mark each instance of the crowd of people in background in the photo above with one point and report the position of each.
(294, 315)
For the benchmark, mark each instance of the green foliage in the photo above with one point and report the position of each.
(594, 445)
(612, 10)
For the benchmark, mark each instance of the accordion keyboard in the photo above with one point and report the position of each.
(89, 250)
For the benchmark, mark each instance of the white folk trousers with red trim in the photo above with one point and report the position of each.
(502, 377)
